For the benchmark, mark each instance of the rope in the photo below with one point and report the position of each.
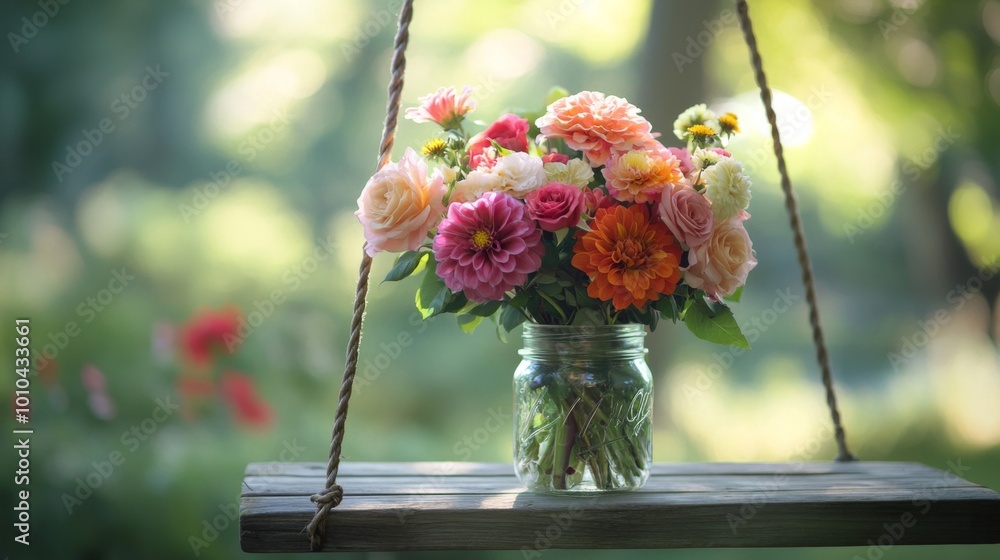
(792, 205)
(334, 493)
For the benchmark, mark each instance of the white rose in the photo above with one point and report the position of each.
(519, 174)
(477, 183)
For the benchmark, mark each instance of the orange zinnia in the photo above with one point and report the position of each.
(629, 258)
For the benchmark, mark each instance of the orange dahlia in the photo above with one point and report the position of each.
(629, 258)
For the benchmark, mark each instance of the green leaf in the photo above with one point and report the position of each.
(519, 299)
(510, 318)
(485, 309)
(714, 323)
(454, 302)
(468, 323)
(432, 293)
(735, 296)
(406, 264)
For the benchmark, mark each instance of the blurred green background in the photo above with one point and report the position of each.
(161, 159)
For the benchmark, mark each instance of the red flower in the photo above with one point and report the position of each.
(555, 157)
(247, 407)
(208, 331)
(509, 131)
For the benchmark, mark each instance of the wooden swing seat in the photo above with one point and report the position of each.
(463, 506)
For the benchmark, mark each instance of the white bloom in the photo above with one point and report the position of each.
(574, 172)
(728, 187)
(475, 185)
(698, 114)
(703, 159)
(519, 174)
(447, 173)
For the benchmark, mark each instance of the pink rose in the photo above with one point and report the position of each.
(509, 131)
(596, 199)
(721, 152)
(688, 214)
(399, 205)
(555, 157)
(721, 265)
(555, 206)
(687, 166)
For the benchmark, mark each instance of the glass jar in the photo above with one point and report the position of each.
(583, 402)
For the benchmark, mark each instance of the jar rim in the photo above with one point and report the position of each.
(623, 327)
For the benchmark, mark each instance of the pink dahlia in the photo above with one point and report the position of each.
(446, 107)
(487, 246)
(596, 125)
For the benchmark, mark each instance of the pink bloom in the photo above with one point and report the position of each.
(247, 407)
(487, 247)
(684, 156)
(509, 131)
(596, 199)
(720, 265)
(596, 125)
(556, 206)
(97, 392)
(641, 175)
(447, 107)
(399, 205)
(555, 157)
(688, 215)
(721, 152)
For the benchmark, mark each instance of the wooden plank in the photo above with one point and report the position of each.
(397, 507)
(421, 485)
(504, 469)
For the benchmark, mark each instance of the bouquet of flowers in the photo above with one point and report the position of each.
(575, 215)
(578, 214)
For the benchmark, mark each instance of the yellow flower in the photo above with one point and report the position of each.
(434, 148)
(730, 123)
(701, 132)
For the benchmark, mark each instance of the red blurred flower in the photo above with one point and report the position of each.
(247, 407)
(210, 330)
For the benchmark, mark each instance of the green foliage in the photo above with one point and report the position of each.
(714, 322)
(406, 264)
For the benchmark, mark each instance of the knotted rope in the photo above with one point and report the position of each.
(792, 205)
(334, 493)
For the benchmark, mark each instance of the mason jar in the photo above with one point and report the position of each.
(583, 402)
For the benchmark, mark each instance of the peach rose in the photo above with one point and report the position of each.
(400, 204)
(720, 265)
(688, 214)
